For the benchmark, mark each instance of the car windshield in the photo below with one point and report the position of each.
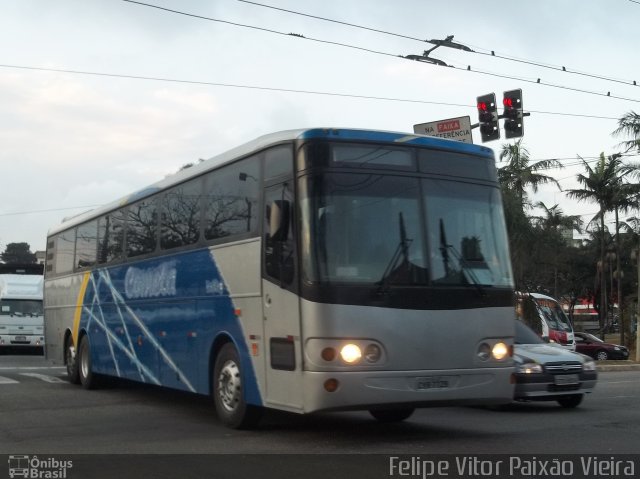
(593, 338)
(525, 335)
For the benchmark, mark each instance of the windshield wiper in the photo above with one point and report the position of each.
(402, 251)
(464, 265)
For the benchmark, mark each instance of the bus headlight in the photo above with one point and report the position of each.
(351, 353)
(500, 351)
(372, 353)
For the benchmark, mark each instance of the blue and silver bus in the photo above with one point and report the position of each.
(309, 270)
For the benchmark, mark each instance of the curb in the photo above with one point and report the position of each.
(617, 366)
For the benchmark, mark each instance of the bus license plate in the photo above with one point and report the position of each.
(566, 379)
(432, 383)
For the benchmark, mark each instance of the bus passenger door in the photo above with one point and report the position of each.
(281, 310)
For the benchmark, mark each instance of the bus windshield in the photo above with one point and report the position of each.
(382, 228)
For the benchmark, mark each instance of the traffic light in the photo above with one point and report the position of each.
(488, 117)
(513, 122)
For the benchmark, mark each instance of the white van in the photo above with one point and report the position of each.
(544, 315)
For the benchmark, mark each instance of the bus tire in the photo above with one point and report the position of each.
(228, 392)
(391, 415)
(87, 377)
(71, 361)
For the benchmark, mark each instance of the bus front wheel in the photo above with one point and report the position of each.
(228, 394)
(71, 360)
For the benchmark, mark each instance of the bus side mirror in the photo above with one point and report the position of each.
(279, 217)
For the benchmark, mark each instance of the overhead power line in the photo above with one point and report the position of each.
(423, 58)
(16, 213)
(284, 90)
(492, 52)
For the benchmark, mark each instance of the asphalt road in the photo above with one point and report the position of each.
(43, 414)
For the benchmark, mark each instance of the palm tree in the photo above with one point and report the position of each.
(553, 223)
(519, 174)
(515, 178)
(605, 185)
(629, 125)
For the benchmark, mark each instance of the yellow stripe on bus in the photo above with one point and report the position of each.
(78, 313)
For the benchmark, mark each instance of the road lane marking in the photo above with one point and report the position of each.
(44, 377)
(26, 368)
(4, 380)
(617, 382)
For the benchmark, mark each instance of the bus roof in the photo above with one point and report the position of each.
(345, 134)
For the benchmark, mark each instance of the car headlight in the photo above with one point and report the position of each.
(616, 348)
(529, 368)
(589, 366)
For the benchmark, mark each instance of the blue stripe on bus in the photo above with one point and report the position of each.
(156, 320)
(396, 137)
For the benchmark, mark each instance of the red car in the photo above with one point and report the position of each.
(596, 348)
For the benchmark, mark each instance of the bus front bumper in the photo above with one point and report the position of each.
(424, 388)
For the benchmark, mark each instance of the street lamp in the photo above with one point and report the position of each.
(635, 255)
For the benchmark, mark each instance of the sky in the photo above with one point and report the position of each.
(71, 141)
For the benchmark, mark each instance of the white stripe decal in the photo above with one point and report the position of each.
(4, 380)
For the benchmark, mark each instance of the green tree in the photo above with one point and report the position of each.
(515, 177)
(605, 185)
(553, 224)
(520, 173)
(16, 253)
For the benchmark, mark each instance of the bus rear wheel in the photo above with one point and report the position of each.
(71, 360)
(88, 380)
(391, 415)
(228, 392)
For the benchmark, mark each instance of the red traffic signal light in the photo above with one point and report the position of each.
(513, 114)
(488, 117)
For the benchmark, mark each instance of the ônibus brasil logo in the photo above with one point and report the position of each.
(38, 468)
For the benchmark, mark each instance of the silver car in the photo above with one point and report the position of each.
(548, 372)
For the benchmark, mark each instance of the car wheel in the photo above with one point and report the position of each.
(570, 401)
(228, 393)
(391, 415)
(85, 374)
(602, 355)
(71, 360)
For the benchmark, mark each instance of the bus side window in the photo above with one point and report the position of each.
(279, 243)
(111, 237)
(278, 162)
(64, 252)
(86, 245)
